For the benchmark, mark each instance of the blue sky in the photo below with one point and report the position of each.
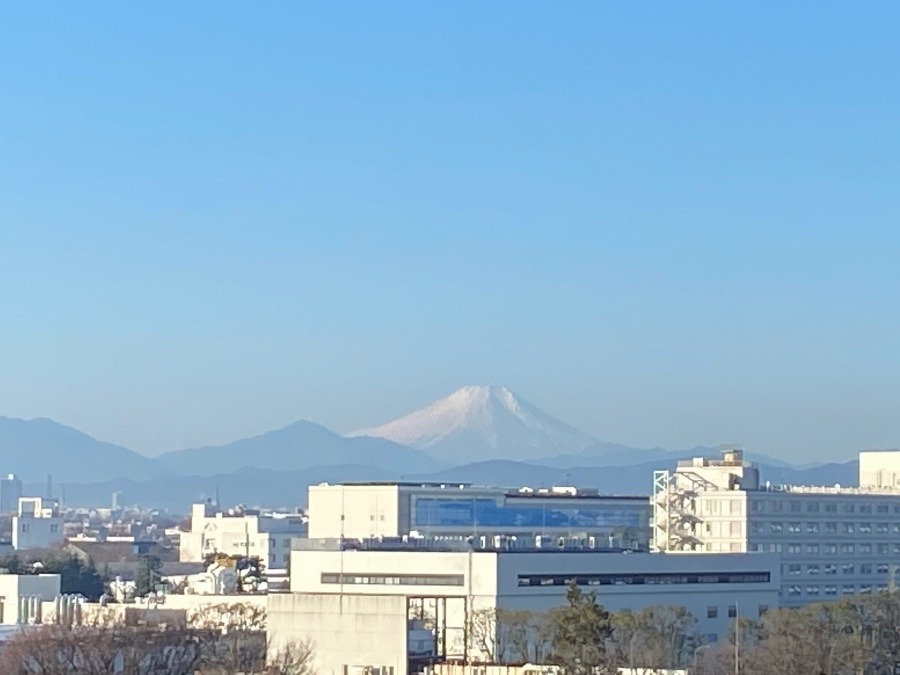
(665, 224)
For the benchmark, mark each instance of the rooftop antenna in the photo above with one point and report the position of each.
(218, 503)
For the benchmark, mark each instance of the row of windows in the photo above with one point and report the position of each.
(712, 611)
(660, 578)
(881, 548)
(394, 579)
(797, 506)
(274, 542)
(832, 589)
(832, 569)
(829, 527)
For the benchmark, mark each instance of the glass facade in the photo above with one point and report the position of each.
(487, 513)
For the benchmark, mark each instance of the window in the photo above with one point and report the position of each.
(734, 507)
(865, 549)
(286, 557)
(881, 528)
(734, 529)
(865, 588)
(757, 507)
(794, 527)
(897, 548)
(793, 590)
(812, 507)
(712, 612)
(848, 568)
(711, 506)
(753, 548)
(882, 508)
(757, 528)
(830, 590)
(831, 528)
(847, 507)
(865, 568)
(847, 528)
(829, 568)
(762, 609)
(287, 543)
(793, 570)
(732, 611)
(396, 579)
(848, 549)
(272, 543)
(883, 568)
(848, 589)
(812, 528)
(830, 548)
(895, 528)
(812, 549)
(661, 578)
(796, 507)
(794, 549)
(812, 590)
(812, 569)
(830, 508)
(775, 527)
(865, 508)
(865, 528)
(777, 506)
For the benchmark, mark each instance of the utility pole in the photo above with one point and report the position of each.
(737, 638)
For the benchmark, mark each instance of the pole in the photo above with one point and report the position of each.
(737, 638)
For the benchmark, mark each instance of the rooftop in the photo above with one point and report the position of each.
(506, 544)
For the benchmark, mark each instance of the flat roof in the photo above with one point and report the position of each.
(521, 492)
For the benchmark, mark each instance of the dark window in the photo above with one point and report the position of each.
(394, 579)
(712, 612)
(657, 578)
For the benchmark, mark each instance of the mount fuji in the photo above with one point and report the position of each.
(480, 422)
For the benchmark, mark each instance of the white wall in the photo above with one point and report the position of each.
(15, 586)
(31, 532)
(354, 631)
(355, 511)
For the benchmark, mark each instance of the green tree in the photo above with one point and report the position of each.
(579, 633)
(76, 577)
(147, 574)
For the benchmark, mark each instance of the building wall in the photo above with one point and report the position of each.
(30, 532)
(879, 469)
(355, 511)
(345, 631)
(15, 586)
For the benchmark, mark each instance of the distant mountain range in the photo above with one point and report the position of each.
(485, 435)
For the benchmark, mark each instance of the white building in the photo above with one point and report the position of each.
(10, 491)
(21, 593)
(834, 541)
(37, 524)
(240, 532)
(360, 510)
(379, 595)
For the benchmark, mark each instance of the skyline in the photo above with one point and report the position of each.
(664, 226)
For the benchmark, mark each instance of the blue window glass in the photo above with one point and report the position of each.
(448, 512)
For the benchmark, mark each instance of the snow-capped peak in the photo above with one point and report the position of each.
(477, 422)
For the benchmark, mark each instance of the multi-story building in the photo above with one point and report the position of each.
(361, 510)
(833, 541)
(380, 595)
(37, 524)
(10, 491)
(242, 532)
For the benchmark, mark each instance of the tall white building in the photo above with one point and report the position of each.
(240, 532)
(833, 541)
(360, 510)
(37, 524)
(381, 595)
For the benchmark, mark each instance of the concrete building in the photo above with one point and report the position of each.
(10, 491)
(240, 532)
(17, 590)
(380, 595)
(833, 541)
(360, 510)
(37, 524)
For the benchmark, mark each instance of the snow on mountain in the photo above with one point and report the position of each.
(478, 422)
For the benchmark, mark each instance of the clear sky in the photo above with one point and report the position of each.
(664, 223)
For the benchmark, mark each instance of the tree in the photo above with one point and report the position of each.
(76, 577)
(147, 574)
(579, 633)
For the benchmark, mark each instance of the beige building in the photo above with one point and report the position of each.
(833, 541)
(37, 524)
(240, 532)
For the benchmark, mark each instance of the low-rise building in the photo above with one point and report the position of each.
(37, 524)
(380, 592)
(243, 532)
(21, 593)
